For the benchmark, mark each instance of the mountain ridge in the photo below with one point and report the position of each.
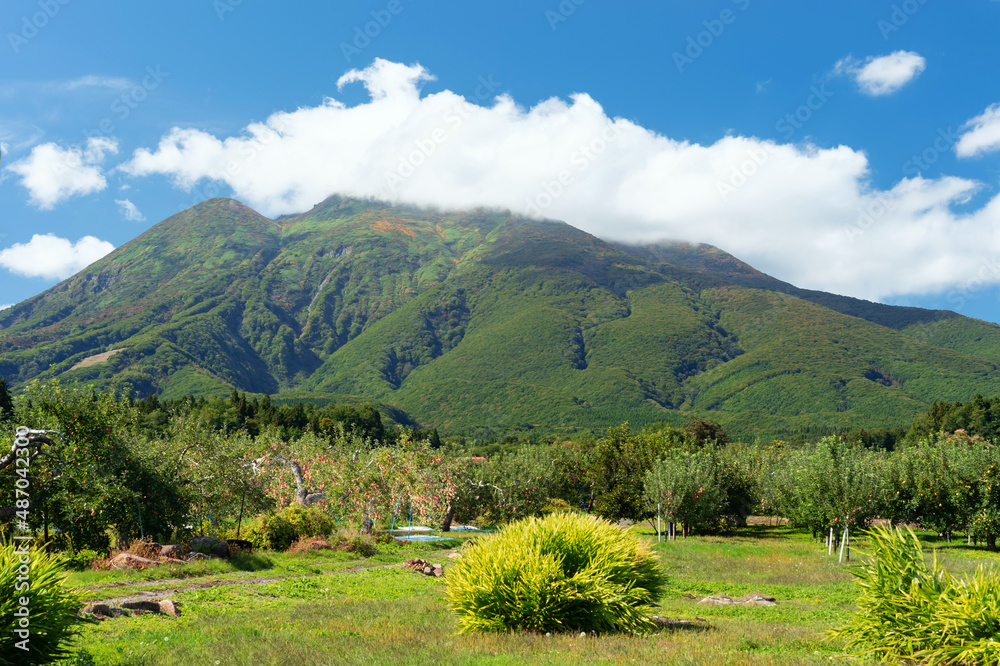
(469, 319)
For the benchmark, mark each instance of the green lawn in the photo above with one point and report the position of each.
(330, 608)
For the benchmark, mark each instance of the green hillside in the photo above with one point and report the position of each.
(466, 320)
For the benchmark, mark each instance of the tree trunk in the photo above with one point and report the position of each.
(449, 515)
(367, 524)
(991, 542)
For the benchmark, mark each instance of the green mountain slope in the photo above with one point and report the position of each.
(480, 319)
(713, 261)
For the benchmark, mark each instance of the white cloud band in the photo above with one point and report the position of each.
(806, 214)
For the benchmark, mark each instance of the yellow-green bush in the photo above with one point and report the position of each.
(910, 613)
(565, 571)
(278, 531)
(51, 607)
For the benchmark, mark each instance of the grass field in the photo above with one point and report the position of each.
(331, 608)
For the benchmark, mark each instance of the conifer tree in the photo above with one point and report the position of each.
(6, 402)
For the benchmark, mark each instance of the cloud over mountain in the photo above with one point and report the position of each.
(807, 214)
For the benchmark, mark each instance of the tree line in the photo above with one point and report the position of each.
(163, 469)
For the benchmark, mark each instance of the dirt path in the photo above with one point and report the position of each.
(168, 581)
(200, 584)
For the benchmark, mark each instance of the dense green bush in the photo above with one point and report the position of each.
(80, 561)
(278, 531)
(51, 608)
(563, 572)
(908, 612)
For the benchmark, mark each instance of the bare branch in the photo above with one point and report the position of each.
(36, 439)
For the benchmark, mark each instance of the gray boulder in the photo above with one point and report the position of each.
(209, 546)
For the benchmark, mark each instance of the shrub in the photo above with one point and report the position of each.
(278, 531)
(360, 544)
(907, 612)
(51, 605)
(563, 572)
(80, 560)
(141, 548)
(557, 505)
(308, 544)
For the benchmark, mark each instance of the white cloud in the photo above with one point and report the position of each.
(4, 307)
(129, 211)
(48, 256)
(805, 214)
(52, 174)
(983, 135)
(883, 75)
(96, 81)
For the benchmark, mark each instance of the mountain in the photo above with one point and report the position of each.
(481, 319)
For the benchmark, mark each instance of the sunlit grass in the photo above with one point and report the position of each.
(331, 612)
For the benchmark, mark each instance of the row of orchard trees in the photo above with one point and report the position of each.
(110, 474)
(101, 477)
(942, 482)
(363, 482)
(109, 479)
(945, 482)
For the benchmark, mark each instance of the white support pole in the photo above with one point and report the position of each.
(842, 544)
(657, 523)
(829, 543)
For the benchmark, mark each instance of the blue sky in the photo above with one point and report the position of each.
(852, 147)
